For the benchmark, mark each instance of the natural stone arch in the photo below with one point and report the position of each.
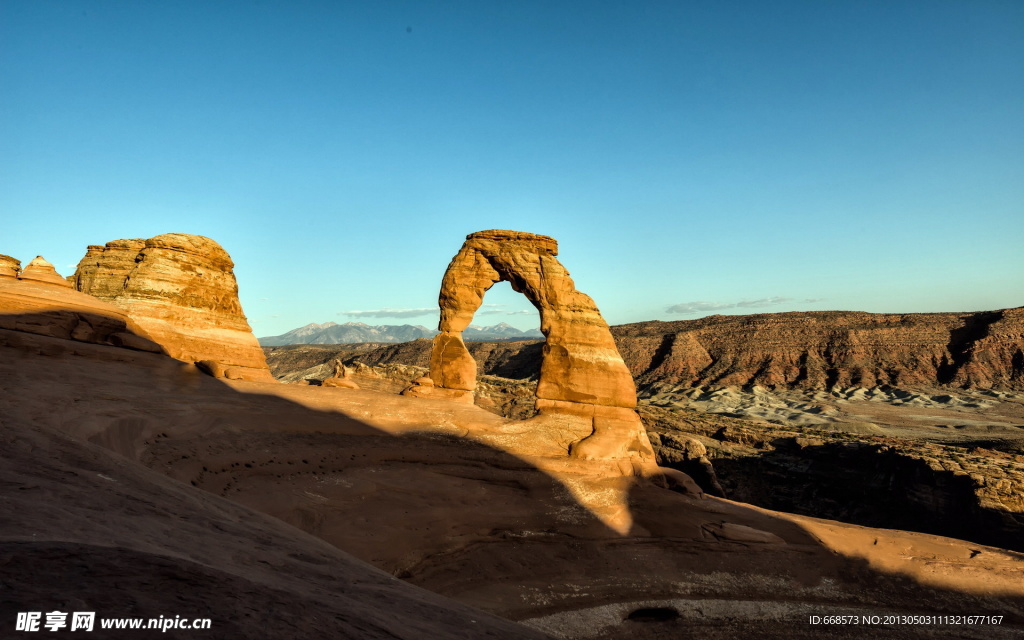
(580, 363)
(581, 371)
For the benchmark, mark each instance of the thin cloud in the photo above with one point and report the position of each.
(523, 312)
(389, 313)
(762, 302)
(487, 309)
(700, 306)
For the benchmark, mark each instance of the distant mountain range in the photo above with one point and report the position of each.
(354, 332)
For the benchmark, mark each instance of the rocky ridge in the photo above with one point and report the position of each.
(826, 349)
(811, 351)
(357, 332)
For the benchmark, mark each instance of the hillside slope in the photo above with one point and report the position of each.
(826, 349)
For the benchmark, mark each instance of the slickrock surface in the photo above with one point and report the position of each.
(85, 528)
(487, 511)
(40, 301)
(825, 349)
(181, 290)
(581, 372)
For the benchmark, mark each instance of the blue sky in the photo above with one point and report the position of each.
(690, 157)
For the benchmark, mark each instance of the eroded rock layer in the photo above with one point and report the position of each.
(581, 372)
(9, 267)
(181, 290)
(39, 270)
(820, 350)
(38, 300)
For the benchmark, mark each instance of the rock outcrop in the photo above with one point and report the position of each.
(581, 372)
(39, 270)
(9, 267)
(38, 300)
(341, 378)
(181, 290)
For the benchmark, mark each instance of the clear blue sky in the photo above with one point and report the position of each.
(690, 157)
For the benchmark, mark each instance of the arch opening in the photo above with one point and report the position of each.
(582, 375)
(505, 340)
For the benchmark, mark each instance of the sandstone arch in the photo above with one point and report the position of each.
(582, 373)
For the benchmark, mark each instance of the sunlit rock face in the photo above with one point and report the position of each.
(181, 290)
(581, 371)
(9, 267)
(39, 270)
(38, 300)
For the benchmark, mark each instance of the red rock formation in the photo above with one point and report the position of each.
(40, 301)
(819, 350)
(104, 270)
(9, 267)
(581, 372)
(988, 350)
(341, 378)
(39, 270)
(182, 291)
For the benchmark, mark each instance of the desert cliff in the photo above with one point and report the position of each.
(827, 349)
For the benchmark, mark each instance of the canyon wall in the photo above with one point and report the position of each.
(823, 349)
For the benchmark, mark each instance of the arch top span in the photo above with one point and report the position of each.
(581, 373)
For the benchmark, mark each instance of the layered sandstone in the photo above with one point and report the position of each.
(827, 349)
(103, 272)
(9, 267)
(581, 372)
(181, 290)
(38, 300)
(39, 270)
